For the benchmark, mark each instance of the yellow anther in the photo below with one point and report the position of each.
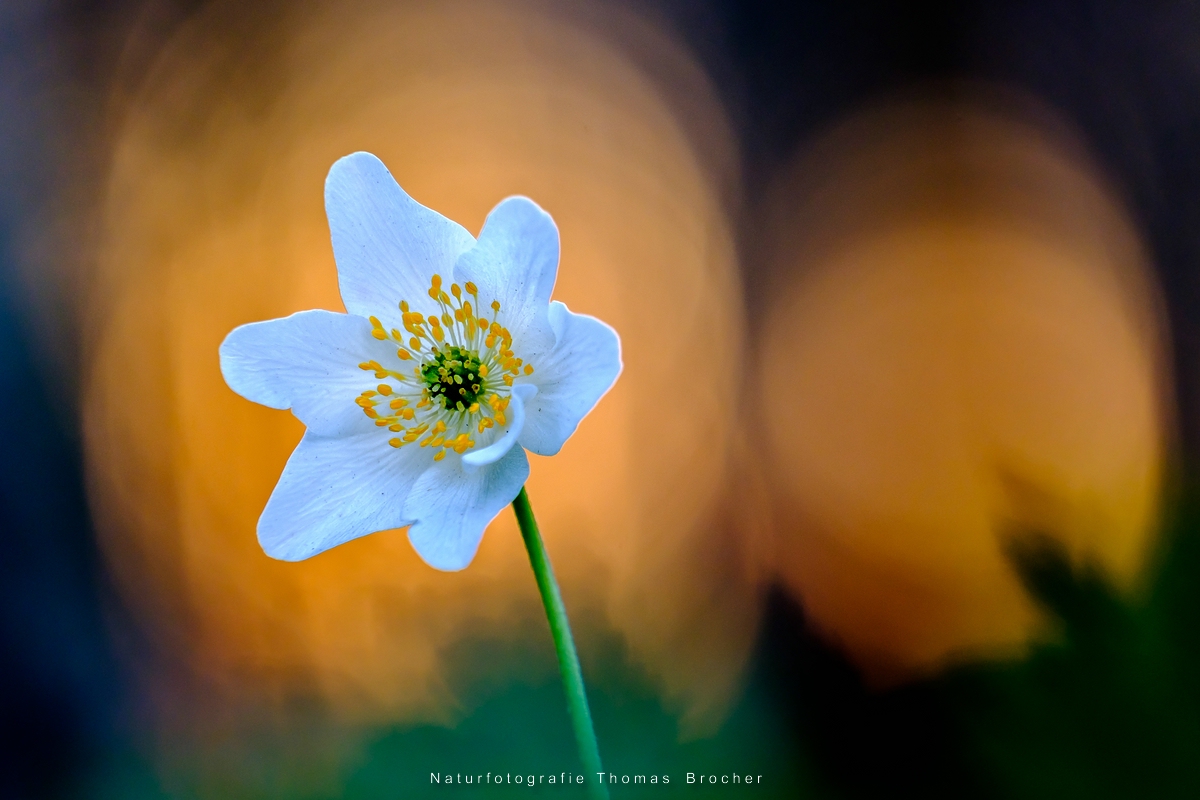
(396, 442)
(370, 412)
(383, 423)
(396, 428)
(458, 315)
(379, 333)
(403, 355)
(489, 341)
(495, 305)
(366, 365)
(375, 323)
(441, 454)
(455, 290)
(414, 343)
(384, 389)
(438, 335)
(529, 369)
(434, 321)
(474, 409)
(447, 320)
(483, 370)
(424, 426)
(471, 288)
(404, 306)
(439, 426)
(500, 418)
(444, 298)
(408, 413)
(467, 308)
(437, 441)
(399, 402)
(508, 379)
(495, 328)
(435, 281)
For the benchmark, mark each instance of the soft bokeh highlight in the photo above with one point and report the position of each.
(962, 344)
(214, 218)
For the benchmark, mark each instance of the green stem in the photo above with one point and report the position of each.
(564, 644)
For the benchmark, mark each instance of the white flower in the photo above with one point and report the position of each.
(451, 356)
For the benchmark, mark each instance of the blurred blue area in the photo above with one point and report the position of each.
(59, 680)
(60, 689)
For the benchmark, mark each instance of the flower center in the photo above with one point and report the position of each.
(453, 378)
(461, 383)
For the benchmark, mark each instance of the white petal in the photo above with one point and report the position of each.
(515, 414)
(307, 362)
(453, 506)
(337, 489)
(515, 261)
(387, 245)
(584, 364)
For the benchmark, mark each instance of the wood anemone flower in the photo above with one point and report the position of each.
(421, 400)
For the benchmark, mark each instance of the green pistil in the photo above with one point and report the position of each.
(453, 376)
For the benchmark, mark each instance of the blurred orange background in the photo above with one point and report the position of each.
(974, 351)
(214, 217)
(954, 337)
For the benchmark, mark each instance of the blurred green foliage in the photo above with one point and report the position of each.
(1110, 708)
